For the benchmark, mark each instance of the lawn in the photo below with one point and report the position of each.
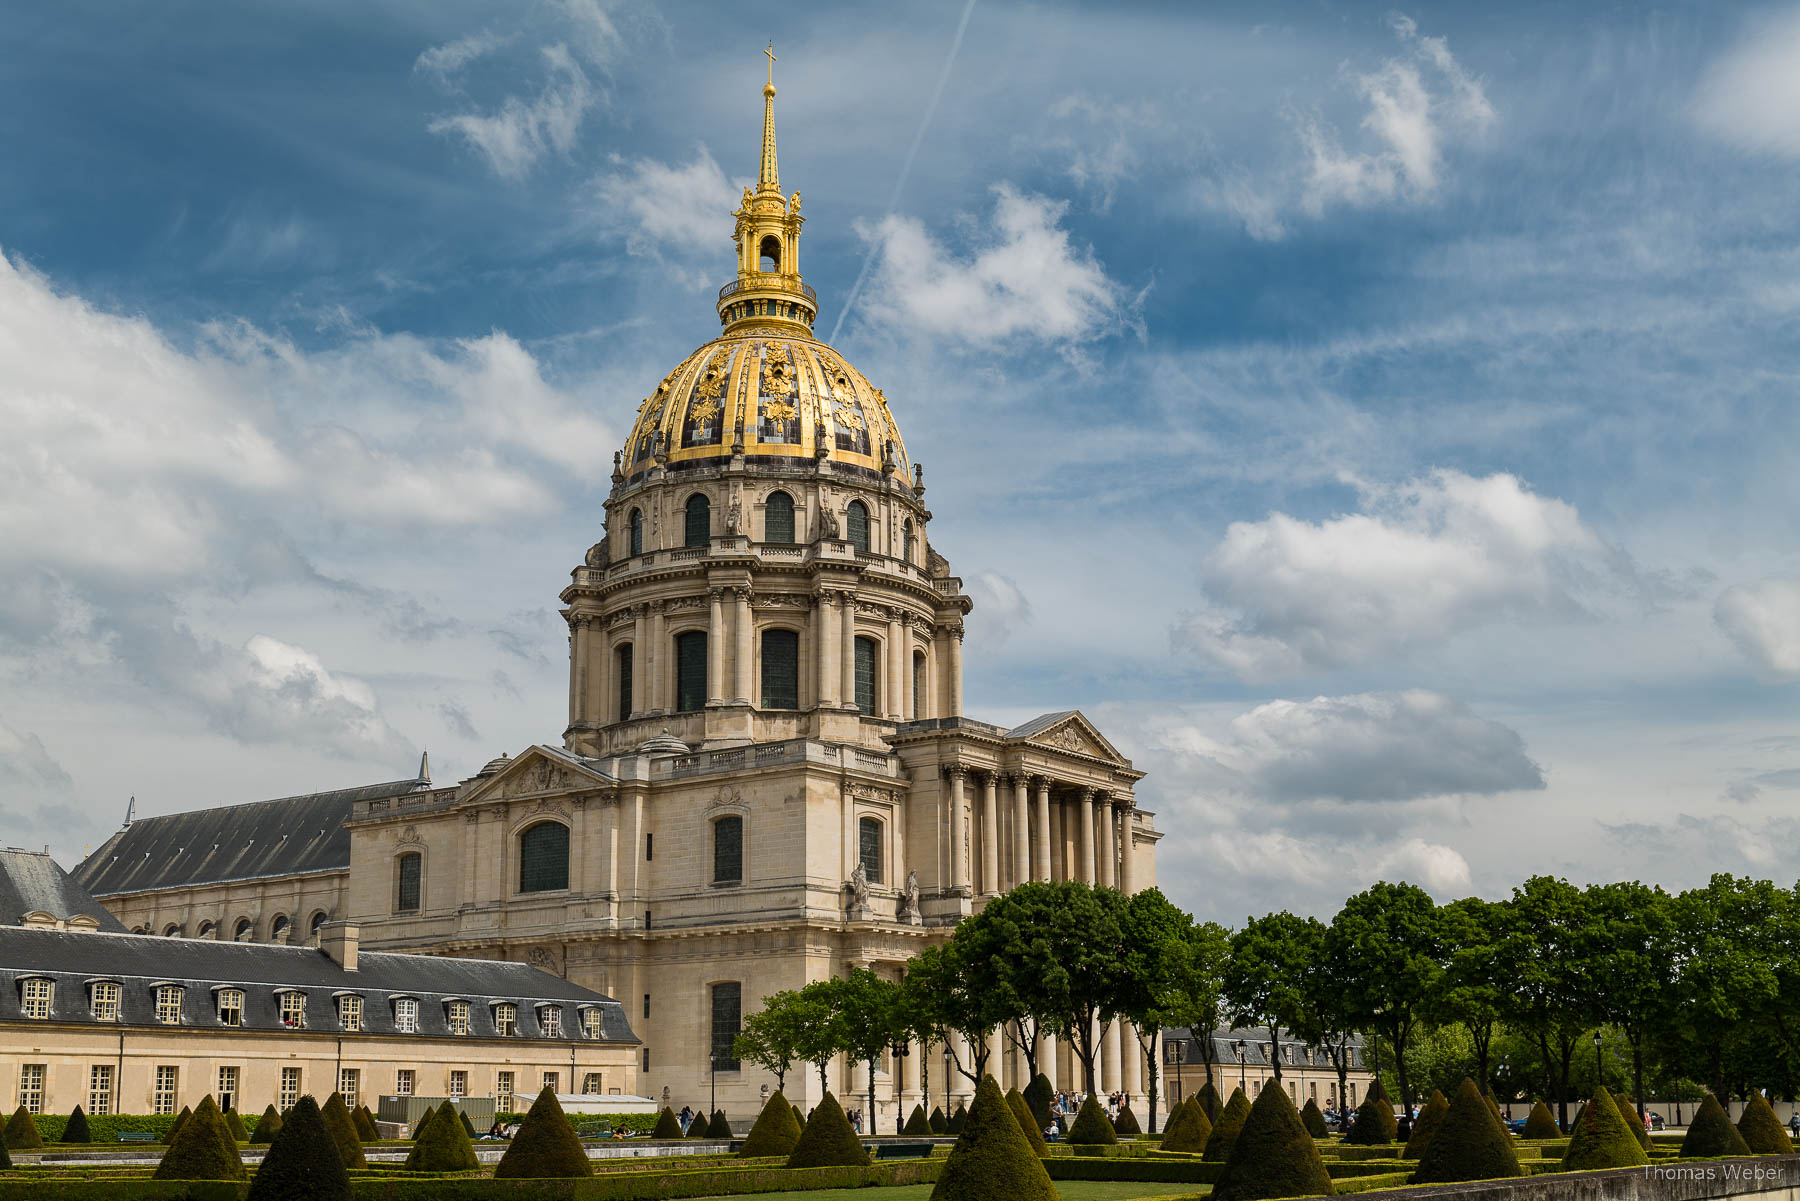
(1070, 1190)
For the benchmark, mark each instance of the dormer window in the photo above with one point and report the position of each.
(550, 1021)
(456, 1017)
(292, 1008)
(168, 1004)
(406, 1015)
(103, 999)
(34, 997)
(506, 1019)
(349, 1010)
(231, 1007)
(591, 1026)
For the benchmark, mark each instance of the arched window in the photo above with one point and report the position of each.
(278, 929)
(207, 929)
(727, 1023)
(690, 671)
(856, 526)
(699, 521)
(866, 659)
(637, 531)
(318, 921)
(243, 930)
(622, 657)
(778, 518)
(171, 931)
(769, 254)
(868, 848)
(906, 541)
(407, 871)
(728, 850)
(919, 686)
(780, 669)
(544, 858)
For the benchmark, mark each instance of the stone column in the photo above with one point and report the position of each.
(1041, 864)
(1132, 1065)
(1107, 843)
(909, 1078)
(959, 862)
(824, 648)
(715, 647)
(659, 657)
(909, 704)
(956, 1084)
(1127, 849)
(1113, 1079)
(847, 661)
(1084, 862)
(745, 692)
(996, 1046)
(1058, 834)
(1047, 1053)
(954, 644)
(1021, 864)
(640, 662)
(578, 657)
(990, 835)
(893, 696)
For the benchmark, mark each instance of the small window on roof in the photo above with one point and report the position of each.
(550, 1021)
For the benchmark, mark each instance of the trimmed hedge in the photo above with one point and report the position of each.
(203, 1150)
(336, 1116)
(1015, 1101)
(1225, 1130)
(939, 1123)
(1038, 1095)
(1762, 1130)
(174, 1129)
(266, 1126)
(1633, 1123)
(1313, 1118)
(442, 1146)
(1148, 1171)
(1126, 1122)
(545, 1146)
(993, 1159)
(76, 1130)
(1375, 1122)
(720, 1126)
(1188, 1128)
(1466, 1142)
(667, 1125)
(1601, 1139)
(1211, 1102)
(776, 1130)
(954, 1124)
(364, 1121)
(827, 1140)
(303, 1162)
(697, 1126)
(1541, 1123)
(1091, 1125)
(1712, 1134)
(102, 1128)
(918, 1125)
(1273, 1155)
(1436, 1106)
(235, 1124)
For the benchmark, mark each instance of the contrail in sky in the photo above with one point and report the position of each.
(937, 94)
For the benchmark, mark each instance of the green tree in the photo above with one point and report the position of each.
(1203, 990)
(814, 1013)
(1388, 943)
(942, 990)
(1473, 991)
(1008, 939)
(1724, 979)
(1632, 959)
(769, 1037)
(1265, 982)
(1551, 995)
(1158, 941)
(869, 1020)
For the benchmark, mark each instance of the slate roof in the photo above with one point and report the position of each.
(32, 882)
(233, 842)
(200, 966)
(1040, 723)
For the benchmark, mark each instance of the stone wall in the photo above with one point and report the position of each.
(1767, 1177)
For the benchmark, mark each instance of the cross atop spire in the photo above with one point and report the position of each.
(771, 53)
(769, 179)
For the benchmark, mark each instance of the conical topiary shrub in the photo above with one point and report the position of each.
(917, 1125)
(1466, 1142)
(1015, 1101)
(336, 1116)
(174, 1129)
(545, 1147)
(1211, 1102)
(1712, 1135)
(5, 1159)
(667, 1125)
(1762, 1129)
(1188, 1128)
(468, 1126)
(776, 1129)
(266, 1126)
(697, 1127)
(1313, 1118)
(442, 1146)
(799, 1119)
(422, 1121)
(235, 1124)
(1126, 1122)
(992, 1159)
(938, 1122)
(76, 1129)
(1541, 1123)
(303, 1162)
(1436, 1106)
(827, 1141)
(1091, 1125)
(1038, 1095)
(364, 1121)
(955, 1123)
(204, 1150)
(1375, 1123)
(1272, 1155)
(1225, 1130)
(1601, 1139)
(720, 1126)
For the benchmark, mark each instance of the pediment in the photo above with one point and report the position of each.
(537, 772)
(1070, 732)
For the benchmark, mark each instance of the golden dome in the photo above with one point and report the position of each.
(772, 396)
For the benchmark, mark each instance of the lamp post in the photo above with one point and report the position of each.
(1508, 1090)
(1237, 1045)
(713, 1064)
(1179, 1047)
(1598, 1072)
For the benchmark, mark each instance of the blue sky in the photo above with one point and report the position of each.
(1381, 420)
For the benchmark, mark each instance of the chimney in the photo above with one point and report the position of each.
(339, 941)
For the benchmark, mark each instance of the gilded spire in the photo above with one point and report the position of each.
(770, 178)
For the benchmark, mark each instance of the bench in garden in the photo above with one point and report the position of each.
(902, 1150)
(136, 1136)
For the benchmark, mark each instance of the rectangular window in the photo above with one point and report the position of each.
(410, 866)
(868, 833)
(780, 669)
(865, 675)
(456, 1016)
(290, 1087)
(34, 998)
(646, 1066)
(506, 1019)
(727, 1020)
(591, 1025)
(406, 1015)
(403, 1082)
(503, 1091)
(728, 850)
(350, 1085)
(349, 1011)
(231, 1007)
(162, 1099)
(100, 1089)
(1313, 1091)
(1352, 1096)
(293, 1010)
(106, 1001)
(649, 847)
(623, 657)
(459, 1082)
(690, 671)
(168, 1005)
(590, 1084)
(549, 1021)
(228, 1087)
(553, 1082)
(31, 1087)
(918, 688)
(646, 1007)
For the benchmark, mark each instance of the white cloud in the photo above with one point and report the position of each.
(522, 131)
(27, 770)
(1422, 561)
(1022, 280)
(1750, 97)
(1438, 869)
(445, 60)
(274, 692)
(664, 208)
(1263, 869)
(1416, 103)
(1763, 619)
(1000, 606)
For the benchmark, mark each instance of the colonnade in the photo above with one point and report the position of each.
(1014, 828)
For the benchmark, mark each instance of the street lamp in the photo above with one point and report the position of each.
(1237, 1044)
(1179, 1047)
(1598, 1073)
